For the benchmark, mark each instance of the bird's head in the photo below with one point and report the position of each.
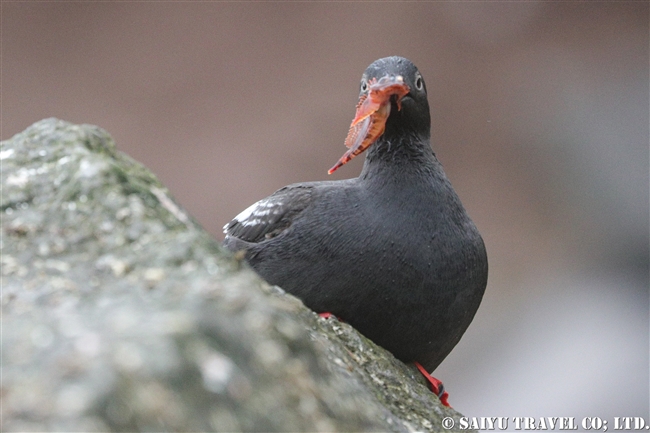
(413, 117)
(392, 103)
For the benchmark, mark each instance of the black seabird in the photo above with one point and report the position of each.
(392, 252)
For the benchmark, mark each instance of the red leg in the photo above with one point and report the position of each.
(436, 386)
(328, 315)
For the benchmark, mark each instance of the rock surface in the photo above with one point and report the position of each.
(119, 313)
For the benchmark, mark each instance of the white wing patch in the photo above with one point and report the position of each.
(270, 216)
(256, 213)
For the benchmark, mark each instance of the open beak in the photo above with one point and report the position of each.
(372, 112)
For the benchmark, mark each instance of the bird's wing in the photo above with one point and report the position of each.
(270, 216)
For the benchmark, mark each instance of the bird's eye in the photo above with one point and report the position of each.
(419, 84)
(364, 85)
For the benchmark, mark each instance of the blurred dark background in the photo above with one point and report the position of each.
(539, 115)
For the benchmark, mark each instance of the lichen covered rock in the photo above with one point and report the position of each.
(121, 314)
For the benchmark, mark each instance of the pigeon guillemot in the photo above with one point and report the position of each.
(392, 252)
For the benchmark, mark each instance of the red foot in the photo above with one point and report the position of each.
(328, 315)
(436, 386)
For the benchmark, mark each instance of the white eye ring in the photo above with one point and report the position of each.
(419, 84)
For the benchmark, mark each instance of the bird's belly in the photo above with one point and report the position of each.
(415, 302)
